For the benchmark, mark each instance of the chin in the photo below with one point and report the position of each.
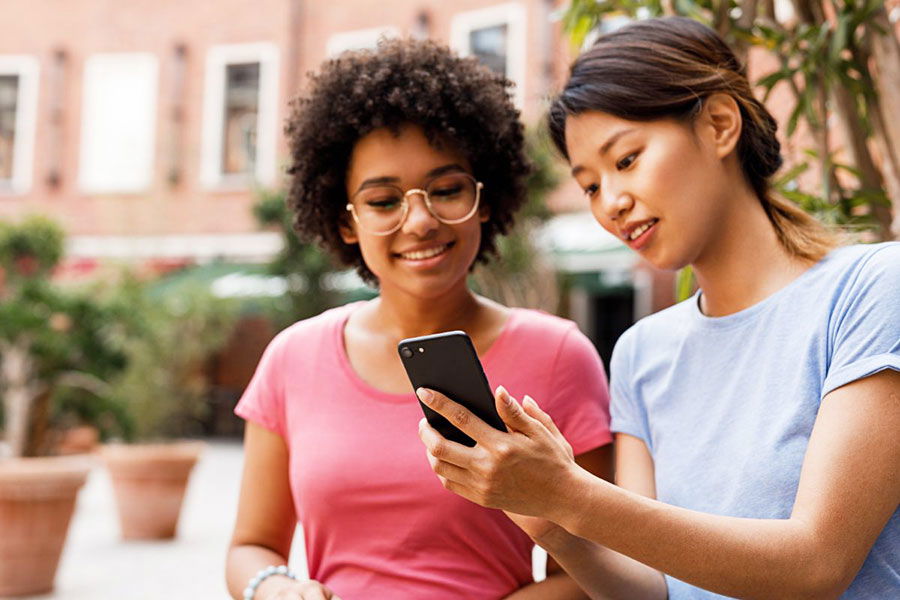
(666, 262)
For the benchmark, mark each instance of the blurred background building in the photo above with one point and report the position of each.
(145, 126)
(148, 128)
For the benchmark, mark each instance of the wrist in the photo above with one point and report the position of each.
(271, 587)
(575, 485)
(553, 539)
(268, 581)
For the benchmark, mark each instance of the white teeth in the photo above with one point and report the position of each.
(637, 232)
(423, 254)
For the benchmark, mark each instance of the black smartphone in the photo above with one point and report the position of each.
(447, 363)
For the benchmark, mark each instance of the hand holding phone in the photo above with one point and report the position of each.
(447, 363)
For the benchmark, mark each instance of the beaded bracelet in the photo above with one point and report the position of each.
(264, 574)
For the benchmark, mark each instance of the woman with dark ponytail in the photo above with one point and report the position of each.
(757, 422)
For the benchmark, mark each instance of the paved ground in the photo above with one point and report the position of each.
(97, 565)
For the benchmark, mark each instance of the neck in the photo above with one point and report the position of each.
(745, 262)
(402, 315)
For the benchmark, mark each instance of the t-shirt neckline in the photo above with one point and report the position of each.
(749, 313)
(337, 337)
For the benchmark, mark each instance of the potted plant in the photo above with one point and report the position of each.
(50, 340)
(164, 388)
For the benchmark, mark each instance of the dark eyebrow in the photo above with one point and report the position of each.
(376, 181)
(613, 139)
(606, 146)
(453, 167)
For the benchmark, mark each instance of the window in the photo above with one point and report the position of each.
(358, 40)
(489, 45)
(118, 123)
(18, 104)
(496, 35)
(240, 122)
(240, 109)
(9, 99)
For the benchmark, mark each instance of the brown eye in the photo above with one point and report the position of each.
(627, 161)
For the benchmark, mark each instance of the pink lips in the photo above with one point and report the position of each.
(642, 240)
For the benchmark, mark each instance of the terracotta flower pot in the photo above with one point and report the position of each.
(149, 481)
(37, 499)
(82, 439)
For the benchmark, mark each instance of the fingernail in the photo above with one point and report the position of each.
(424, 395)
(504, 395)
(530, 400)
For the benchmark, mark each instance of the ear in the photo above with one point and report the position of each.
(347, 229)
(723, 116)
(484, 213)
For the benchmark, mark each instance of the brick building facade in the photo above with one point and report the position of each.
(144, 127)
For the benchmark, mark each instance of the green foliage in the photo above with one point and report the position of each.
(167, 341)
(518, 276)
(30, 249)
(543, 179)
(69, 337)
(305, 266)
(815, 58)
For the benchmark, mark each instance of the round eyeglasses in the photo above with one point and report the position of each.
(381, 209)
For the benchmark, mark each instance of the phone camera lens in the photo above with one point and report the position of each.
(406, 352)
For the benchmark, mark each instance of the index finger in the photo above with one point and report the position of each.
(458, 415)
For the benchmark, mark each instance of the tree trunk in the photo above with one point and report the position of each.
(749, 10)
(885, 52)
(890, 166)
(17, 379)
(869, 175)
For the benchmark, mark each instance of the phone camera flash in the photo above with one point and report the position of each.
(421, 349)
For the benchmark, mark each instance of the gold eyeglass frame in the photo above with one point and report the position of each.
(412, 192)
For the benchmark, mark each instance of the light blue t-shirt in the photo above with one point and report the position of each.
(726, 405)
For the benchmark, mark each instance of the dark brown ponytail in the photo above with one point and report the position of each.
(664, 68)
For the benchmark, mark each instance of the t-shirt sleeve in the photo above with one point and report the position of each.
(865, 335)
(580, 402)
(263, 400)
(627, 412)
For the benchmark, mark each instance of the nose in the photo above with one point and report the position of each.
(614, 202)
(419, 220)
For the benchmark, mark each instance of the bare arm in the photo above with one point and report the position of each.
(847, 492)
(265, 522)
(605, 573)
(559, 584)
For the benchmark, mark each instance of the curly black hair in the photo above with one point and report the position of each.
(456, 101)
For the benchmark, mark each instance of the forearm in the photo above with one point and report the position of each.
(244, 562)
(601, 572)
(556, 586)
(746, 558)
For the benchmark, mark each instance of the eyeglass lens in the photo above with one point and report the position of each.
(381, 208)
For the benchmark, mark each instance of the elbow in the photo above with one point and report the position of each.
(826, 579)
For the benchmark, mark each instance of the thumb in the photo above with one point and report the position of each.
(515, 418)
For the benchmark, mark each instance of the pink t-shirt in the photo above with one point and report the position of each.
(377, 522)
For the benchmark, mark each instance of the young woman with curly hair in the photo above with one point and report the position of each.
(756, 423)
(406, 163)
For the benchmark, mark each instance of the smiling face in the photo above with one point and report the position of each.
(660, 186)
(424, 257)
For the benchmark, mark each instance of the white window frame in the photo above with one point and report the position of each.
(217, 60)
(87, 169)
(358, 39)
(27, 68)
(511, 14)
